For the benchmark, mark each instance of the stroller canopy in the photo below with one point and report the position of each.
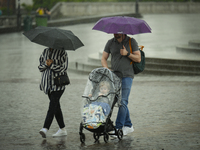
(97, 78)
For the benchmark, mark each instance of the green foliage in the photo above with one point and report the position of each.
(28, 8)
(45, 3)
(50, 3)
(5, 11)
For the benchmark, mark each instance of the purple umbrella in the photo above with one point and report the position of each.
(122, 25)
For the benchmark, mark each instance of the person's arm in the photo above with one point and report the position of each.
(62, 65)
(104, 58)
(48, 12)
(37, 10)
(43, 63)
(135, 56)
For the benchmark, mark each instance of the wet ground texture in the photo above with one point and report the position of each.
(165, 110)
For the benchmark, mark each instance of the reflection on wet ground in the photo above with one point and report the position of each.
(166, 116)
(63, 143)
(60, 144)
(165, 110)
(115, 144)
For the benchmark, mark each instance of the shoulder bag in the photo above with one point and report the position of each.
(138, 67)
(61, 80)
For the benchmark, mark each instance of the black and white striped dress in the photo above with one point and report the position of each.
(58, 67)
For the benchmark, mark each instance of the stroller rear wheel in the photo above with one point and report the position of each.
(82, 138)
(106, 137)
(120, 134)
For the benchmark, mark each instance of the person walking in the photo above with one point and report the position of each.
(40, 11)
(121, 58)
(53, 62)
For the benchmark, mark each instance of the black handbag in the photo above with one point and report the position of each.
(61, 80)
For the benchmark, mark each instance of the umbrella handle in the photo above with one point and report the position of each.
(50, 52)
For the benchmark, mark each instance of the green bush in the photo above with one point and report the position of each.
(28, 8)
(50, 3)
(5, 11)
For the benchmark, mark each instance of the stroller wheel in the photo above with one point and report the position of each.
(120, 134)
(106, 137)
(82, 137)
(96, 136)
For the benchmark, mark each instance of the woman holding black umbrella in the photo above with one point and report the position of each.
(53, 62)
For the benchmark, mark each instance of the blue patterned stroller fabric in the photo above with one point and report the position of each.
(102, 88)
(93, 116)
(105, 107)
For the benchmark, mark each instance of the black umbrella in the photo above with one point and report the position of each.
(54, 38)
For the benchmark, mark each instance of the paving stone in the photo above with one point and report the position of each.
(165, 110)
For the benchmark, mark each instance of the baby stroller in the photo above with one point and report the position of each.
(102, 93)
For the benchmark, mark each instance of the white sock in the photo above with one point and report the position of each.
(45, 129)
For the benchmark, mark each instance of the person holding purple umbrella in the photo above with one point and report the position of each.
(121, 58)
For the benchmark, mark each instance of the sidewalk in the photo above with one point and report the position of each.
(165, 110)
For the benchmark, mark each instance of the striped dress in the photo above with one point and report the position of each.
(58, 67)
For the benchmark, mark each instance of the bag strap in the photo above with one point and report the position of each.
(130, 49)
(130, 45)
(140, 47)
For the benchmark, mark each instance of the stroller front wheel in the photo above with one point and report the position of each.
(120, 134)
(96, 136)
(82, 138)
(106, 137)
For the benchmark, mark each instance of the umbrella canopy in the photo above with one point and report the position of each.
(54, 38)
(122, 25)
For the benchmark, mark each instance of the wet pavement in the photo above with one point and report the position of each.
(165, 110)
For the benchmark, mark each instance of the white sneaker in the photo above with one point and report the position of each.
(127, 130)
(113, 136)
(60, 132)
(43, 132)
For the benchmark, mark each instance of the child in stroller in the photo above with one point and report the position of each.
(102, 92)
